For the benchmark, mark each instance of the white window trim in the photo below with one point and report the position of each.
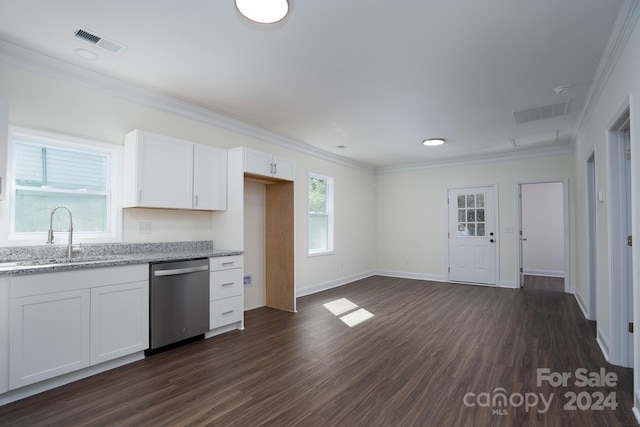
(114, 235)
(330, 213)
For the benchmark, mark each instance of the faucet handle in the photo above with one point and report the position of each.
(50, 237)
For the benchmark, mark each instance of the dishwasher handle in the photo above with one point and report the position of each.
(177, 271)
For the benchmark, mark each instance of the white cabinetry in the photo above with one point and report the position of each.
(5, 286)
(209, 178)
(265, 164)
(64, 321)
(4, 147)
(165, 172)
(49, 336)
(119, 320)
(226, 300)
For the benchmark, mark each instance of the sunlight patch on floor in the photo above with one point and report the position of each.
(340, 306)
(356, 317)
(343, 305)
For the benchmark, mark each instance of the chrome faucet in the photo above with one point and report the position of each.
(50, 236)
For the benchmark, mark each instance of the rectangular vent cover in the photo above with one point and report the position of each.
(96, 40)
(543, 112)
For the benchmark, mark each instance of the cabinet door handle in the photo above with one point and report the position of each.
(229, 263)
(275, 169)
(139, 196)
(227, 312)
(227, 284)
(196, 203)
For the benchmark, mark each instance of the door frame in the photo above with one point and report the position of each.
(592, 223)
(496, 220)
(565, 208)
(617, 219)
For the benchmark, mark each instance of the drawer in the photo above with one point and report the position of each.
(225, 283)
(225, 311)
(226, 262)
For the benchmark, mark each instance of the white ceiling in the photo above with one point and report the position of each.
(375, 76)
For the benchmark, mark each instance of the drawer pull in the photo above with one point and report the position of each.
(228, 263)
(227, 284)
(227, 312)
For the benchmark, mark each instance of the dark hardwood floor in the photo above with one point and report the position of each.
(428, 349)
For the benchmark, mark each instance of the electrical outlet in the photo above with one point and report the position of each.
(247, 280)
(144, 227)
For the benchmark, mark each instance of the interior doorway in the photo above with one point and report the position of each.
(543, 230)
(620, 249)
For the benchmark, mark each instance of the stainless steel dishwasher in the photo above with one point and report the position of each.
(179, 301)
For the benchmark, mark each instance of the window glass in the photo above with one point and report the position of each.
(48, 172)
(320, 214)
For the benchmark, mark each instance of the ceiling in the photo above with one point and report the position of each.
(376, 77)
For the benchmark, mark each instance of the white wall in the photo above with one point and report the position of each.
(51, 104)
(411, 209)
(254, 244)
(543, 227)
(621, 88)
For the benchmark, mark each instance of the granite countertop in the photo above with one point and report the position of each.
(47, 259)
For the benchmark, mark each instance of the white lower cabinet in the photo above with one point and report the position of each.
(49, 336)
(65, 321)
(226, 299)
(119, 320)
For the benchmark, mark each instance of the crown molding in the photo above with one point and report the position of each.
(622, 29)
(43, 64)
(480, 159)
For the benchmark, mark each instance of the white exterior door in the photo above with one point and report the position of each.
(472, 235)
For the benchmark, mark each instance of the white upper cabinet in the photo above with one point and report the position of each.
(209, 178)
(265, 164)
(165, 172)
(4, 146)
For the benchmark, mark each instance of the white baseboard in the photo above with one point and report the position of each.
(510, 284)
(603, 343)
(319, 287)
(409, 275)
(581, 303)
(545, 273)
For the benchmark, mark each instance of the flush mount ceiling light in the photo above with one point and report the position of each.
(263, 11)
(433, 142)
(86, 54)
(562, 89)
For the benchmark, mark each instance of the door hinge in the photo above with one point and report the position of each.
(449, 269)
(628, 154)
(521, 271)
(629, 241)
(631, 327)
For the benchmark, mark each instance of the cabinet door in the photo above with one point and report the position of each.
(164, 171)
(4, 147)
(119, 320)
(284, 168)
(209, 178)
(49, 336)
(258, 162)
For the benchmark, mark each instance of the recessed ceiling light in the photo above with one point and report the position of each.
(263, 11)
(86, 54)
(562, 89)
(433, 142)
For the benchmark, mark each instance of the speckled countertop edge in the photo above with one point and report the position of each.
(49, 259)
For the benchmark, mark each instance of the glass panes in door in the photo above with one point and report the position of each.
(471, 215)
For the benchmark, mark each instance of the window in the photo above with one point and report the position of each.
(51, 170)
(320, 209)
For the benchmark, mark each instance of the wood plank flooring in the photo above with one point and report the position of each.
(427, 346)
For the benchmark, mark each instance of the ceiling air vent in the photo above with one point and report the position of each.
(543, 112)
(96, 40)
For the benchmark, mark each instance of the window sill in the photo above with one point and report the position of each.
(316, 254)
